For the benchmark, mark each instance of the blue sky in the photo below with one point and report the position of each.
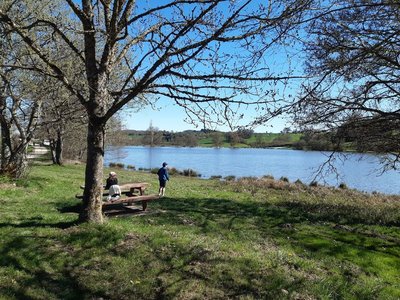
(171, 117)
(168, 116)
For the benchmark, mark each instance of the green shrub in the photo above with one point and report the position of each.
(116, 165)
(285, 179)
(190, 173)
(230, 177)
(250, 178)
(314, 183)
(173, 171)
(299, 182)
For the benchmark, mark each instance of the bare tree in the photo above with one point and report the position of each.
(233, 138)
(115, 131)
(152, 136)
(19, 115)
(217, 139)
(208, 56)
(354, 57)
(61, 115)
(186, 139)
(18, 118)
(23, 93)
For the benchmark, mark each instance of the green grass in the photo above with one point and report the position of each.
(246, 239)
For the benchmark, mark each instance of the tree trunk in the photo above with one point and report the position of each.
(20, 162)
(92, 199)
(59, 148)
(53, 151)
(5, 153)
(5, 135)
(17, 162)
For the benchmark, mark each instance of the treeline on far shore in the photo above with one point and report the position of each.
(245, 138)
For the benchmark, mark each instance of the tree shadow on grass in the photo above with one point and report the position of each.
(39, 272)
(344, 214)
(295, 224)
(38, 222)
(70, 208)
(37, 266)
(116, 210)
(284, 212)
(222, 276)
(229, 274)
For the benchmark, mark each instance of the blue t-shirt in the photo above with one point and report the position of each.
(163, 174)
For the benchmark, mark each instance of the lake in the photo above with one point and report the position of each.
(356, 171)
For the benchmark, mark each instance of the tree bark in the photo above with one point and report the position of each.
(92, 199)
(59, 148)
(5, 135)
(53, 151)
(5, 153)
(20, 162)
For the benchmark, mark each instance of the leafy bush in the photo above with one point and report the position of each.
(299, 182)
(116, 165)
(173, 171)
(190, 173)
(285, 179)
(250, 178)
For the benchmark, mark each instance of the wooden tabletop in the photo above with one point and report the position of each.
(128, 186)
(135, 185)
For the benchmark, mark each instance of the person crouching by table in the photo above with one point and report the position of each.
(114, 191)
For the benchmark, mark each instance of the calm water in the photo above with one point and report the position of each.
(357, 171)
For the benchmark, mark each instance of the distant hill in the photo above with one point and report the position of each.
(209, 138)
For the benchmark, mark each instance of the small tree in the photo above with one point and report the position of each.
(186, 139)
(245, 133)
(217, 139)
(233, 138)
(152, 136)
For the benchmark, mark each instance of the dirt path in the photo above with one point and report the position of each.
(37, 152)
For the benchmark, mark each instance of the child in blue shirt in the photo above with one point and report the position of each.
(162, 178)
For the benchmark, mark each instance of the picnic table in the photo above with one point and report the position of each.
(130, 193)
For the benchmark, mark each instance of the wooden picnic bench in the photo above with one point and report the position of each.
(130, 193)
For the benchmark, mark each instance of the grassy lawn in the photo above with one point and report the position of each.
(247, 239)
